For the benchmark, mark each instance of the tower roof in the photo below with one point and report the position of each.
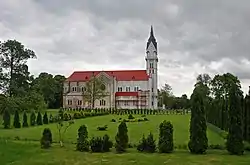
(152, 38)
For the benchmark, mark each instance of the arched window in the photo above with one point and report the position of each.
(102, 102)
(103, 87)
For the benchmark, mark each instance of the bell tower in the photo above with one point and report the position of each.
(152, 68)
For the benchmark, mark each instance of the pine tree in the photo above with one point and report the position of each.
(6, 119)
(16, 123)
(234, 142)
(82, 140)
(33, 119)
(121, 138)
(25, 122)
(45, 118)
(46, 139)
(39, 120)
(166, 144)
(198, 142)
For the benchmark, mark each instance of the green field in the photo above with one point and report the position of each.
(27, 150)
(135, 130)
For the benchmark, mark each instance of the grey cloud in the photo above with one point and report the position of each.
(191, 34)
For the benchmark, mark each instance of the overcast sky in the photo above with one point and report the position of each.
(194, 36)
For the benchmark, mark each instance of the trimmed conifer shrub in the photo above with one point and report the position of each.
(33, 119)
(6, 119)
(39, 120)
(122, 138)
(16, 123)
(234, 142)
(46, 139)
(45, 118)
(198, 142)
(25, 120)
(82, 140)
(166, 143)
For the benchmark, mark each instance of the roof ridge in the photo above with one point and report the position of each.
(110, 70)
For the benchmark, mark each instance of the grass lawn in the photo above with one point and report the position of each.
(29, 152)
(135, 130)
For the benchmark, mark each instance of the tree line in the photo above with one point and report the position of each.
(170, 101)
(220, 101)
(19, 89)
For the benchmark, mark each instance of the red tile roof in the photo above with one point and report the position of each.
(121, 75)
(126, 93)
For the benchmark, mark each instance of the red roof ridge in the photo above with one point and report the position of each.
(128, 70)
(121, 75)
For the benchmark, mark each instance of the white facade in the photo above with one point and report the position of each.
(121, 92)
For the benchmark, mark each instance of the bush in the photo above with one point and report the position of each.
(45, 118)
(216, 146)
(39, 120)
(25, 122)
(113, 120)
(33, 119)
(51, 119)
(107, 144)
(96, 144)
(82, 140)
(46, 139)
(16, 123)
(166, 144)
(147, 145)
(130, 116)
(121, 138)
(104, 128)
(6, 119)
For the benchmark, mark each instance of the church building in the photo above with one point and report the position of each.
(124, 89)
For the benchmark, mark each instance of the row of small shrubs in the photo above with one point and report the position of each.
(128, 111)
(81, 115)
(104, 144)
(131, 118)
(34, 120)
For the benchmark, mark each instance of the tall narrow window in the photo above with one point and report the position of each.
(69, 102)
(79, 102)
(126, 103)
(119, 89)
(127, 89)
(151, 65)
(102, 102)
(136, 89)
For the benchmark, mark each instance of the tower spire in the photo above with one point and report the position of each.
(152, 38)
(152, 31)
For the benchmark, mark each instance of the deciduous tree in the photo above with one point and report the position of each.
(14, 74)
(95, 89)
